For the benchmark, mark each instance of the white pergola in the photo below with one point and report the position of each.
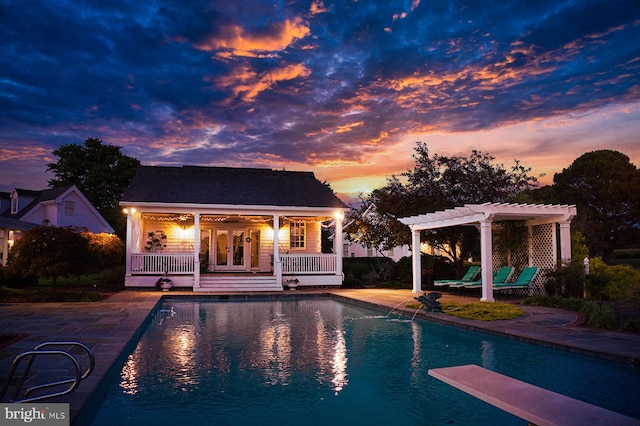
(484, 215)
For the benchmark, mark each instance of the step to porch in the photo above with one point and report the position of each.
(238, 283)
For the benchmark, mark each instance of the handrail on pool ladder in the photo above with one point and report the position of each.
(39, 350)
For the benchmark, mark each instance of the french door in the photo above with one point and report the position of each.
(230, 253)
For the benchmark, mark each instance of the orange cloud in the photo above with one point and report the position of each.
(244, 82)
(25, 153)
(243, 43)
(349, 127)
(317, 7)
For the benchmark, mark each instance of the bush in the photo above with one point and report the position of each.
(613, 282)
(355, 267)
(566, 280)
(11, 279)
(113, 278)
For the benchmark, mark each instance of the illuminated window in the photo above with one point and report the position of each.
(298, 235)
(69, 208)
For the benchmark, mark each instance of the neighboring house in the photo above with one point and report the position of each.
(355, 249)
(22, 209)
(225, 229)
(352, 247)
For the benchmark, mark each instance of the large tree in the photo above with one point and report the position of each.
(435, 183)
(102, 172)
(605, 186)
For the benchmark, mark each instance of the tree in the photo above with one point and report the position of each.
(100, 171)
(106, 251)
(436, 183)
(604, 186)
(50, 251)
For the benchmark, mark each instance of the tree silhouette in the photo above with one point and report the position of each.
(102, 172)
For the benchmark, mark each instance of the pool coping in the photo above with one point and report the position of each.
(117, 321)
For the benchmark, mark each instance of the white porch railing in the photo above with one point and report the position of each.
(154, 263)
(309, 263)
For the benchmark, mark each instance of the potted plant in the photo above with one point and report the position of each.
(165, 283)
(156, 241)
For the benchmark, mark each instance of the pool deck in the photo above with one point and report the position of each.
(108, 327)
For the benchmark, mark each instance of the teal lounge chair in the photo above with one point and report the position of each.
(500, 277)
(467, 278)
(522, 283)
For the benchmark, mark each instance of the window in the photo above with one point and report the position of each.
(345, 250)
(69, 208)
(298, 234)
(14, 205)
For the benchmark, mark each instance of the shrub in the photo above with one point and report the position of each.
(11, 278)
(566, 280)
(614, 282)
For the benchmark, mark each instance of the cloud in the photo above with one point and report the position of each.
(328, 86)
(241, 42)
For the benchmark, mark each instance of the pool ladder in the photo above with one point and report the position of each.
(47, 349)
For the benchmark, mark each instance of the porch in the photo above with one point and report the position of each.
(296, 270)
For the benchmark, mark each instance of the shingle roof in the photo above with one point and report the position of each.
(40, 196)
(229, 186)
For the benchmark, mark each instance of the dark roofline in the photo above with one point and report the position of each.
(229, 186)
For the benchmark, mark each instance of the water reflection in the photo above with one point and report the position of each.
(275, 348)
(416, 358)
(487, 355)
(187, 342)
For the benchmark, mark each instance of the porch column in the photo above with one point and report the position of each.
(486, 260)
(337, 243)
(277, 266)
(196, 250)
(416, 260)
(128, 242)
(565, 240)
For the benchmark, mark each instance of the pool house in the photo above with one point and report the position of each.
(230, 229)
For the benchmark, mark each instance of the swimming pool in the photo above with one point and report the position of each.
(320, 361)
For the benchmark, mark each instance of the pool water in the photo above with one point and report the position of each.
(318, 361)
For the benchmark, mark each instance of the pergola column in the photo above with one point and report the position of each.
(486, 259)
(565, 240)
(416, 261)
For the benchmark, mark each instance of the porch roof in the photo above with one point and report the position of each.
(229, 186)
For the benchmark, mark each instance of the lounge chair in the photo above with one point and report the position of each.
(522, 283)
(500, 277)
(468, 277)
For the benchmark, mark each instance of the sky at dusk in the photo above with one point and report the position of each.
(342, 88)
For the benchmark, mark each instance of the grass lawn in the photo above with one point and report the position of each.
(481, 311)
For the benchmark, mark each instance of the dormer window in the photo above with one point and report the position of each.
(14, 202)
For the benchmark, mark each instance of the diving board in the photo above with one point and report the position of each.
(532, 403)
